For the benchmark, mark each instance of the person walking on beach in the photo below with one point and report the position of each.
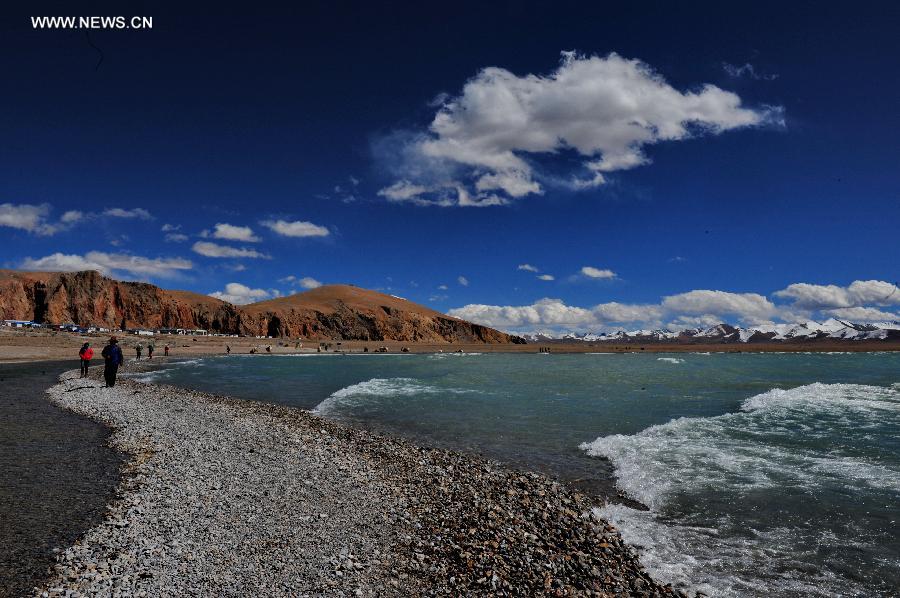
(86, 354)
(150, 348)
(166, 350)
(227, 349)
(112, 358)
(137, 349)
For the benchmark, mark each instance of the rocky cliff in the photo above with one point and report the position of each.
(338, 312)
(89, 298)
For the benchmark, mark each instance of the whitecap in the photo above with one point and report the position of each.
(670, 359)
(804, 441)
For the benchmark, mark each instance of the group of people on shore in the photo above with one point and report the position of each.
(112, 358)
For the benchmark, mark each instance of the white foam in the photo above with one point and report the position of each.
(377, 388)
(670, 359)
(782, 439)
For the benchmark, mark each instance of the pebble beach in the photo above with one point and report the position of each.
(229, 497)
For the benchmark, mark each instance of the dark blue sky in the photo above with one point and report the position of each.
(246, 118)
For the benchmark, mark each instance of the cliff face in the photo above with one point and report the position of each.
(89, 298)
(337, 312)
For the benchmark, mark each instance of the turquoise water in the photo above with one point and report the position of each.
(765, 474)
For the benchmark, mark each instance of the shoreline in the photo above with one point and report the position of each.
(217, 488)
(57, 474)
(31, 346)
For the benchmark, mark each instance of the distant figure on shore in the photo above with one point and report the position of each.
(86, 354)
(227, 349)
(268, 348)
(137, 349)
(150, 348)
(166, 350)
(112, 358)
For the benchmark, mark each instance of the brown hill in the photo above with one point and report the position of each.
(89, 298)
(345, 312)
(338, 312)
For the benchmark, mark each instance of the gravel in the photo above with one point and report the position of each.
(238, 498)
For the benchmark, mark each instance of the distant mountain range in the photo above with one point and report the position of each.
(334, 312)
(832, 329)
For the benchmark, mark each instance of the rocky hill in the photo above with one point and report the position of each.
(338, 312)
(347, 312)
(89, 298)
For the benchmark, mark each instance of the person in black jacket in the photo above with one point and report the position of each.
(112, 359)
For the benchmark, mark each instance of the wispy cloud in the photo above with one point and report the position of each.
(134, 213)
(209, 249)
(747, 70)
(296, 228)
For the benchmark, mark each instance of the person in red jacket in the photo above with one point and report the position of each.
(86, 354)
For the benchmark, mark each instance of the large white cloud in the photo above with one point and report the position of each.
(240, 294)
(297, 228)
(605, 109)
(749, 307)
(858, 293)
(108, 263)
(209, 249)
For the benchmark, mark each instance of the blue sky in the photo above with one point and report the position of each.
(665, 165)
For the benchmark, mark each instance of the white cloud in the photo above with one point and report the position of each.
(240, 294)
(230, 232)
(859, 293)
(527, 268)
(546, 277)
(308, 282)
(108, 263)
(697, 308)
(874, 291)
(139, 213)
(71, 217)
(863, 314)
(209, 249)
(168, 228)
(403, 191)
(749, 307)
(175, 238)
(592, 272)
(298, 228)
(605, 109)
(463, 281)
(443, 287)
(27, 217)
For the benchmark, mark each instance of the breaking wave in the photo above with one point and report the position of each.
(757, 491)
(380, 388)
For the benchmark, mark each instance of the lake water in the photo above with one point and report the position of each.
(765, 474)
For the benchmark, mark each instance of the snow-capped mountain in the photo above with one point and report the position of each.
(801, 331)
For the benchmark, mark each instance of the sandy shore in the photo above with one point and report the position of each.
(27, 345)
(229, 497)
